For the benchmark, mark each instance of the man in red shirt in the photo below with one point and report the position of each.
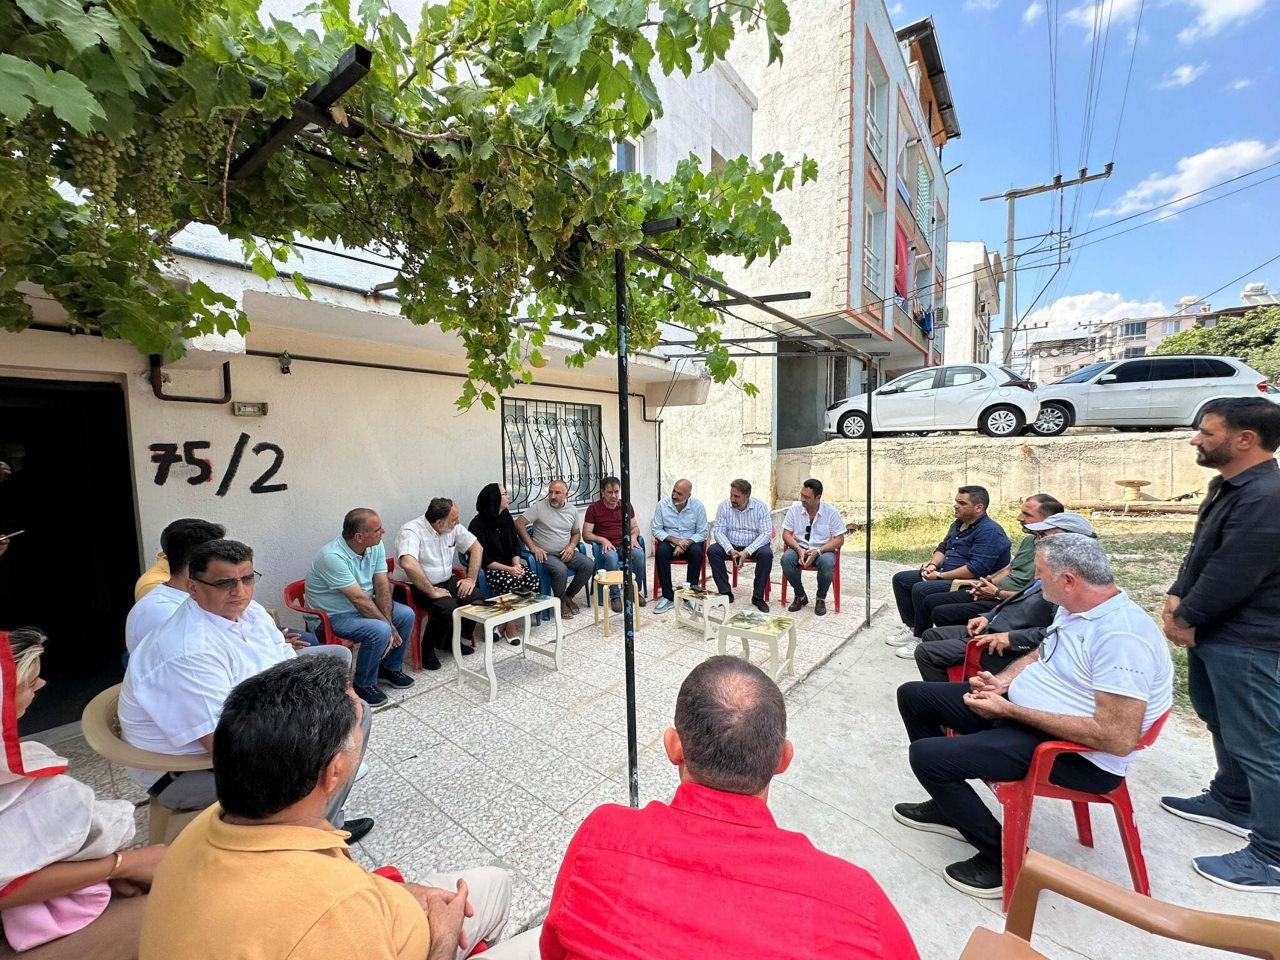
(603, 526)
(711, 874)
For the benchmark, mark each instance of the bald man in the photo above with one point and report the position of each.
(679, 533)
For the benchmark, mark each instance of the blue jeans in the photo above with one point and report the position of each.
(373, 637)
(610, 561)
(1236, 692)
(826, 564)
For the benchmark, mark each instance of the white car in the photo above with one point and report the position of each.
(1143, 392)
(970, 396)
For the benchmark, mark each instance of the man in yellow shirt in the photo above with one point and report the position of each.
(261, 875)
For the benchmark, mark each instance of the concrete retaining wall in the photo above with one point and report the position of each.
(911, 473)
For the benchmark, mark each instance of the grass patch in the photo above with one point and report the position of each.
(1145, 553)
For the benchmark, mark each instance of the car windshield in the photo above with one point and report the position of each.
(1080, 376)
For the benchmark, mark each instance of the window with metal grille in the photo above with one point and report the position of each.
(545, 440)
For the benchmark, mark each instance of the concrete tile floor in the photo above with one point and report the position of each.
(457, 782)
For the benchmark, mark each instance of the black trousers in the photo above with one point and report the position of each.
(910, 590)
(716, 558)
(943, 647)
(985, 750)
(439, 631)
(954, 607)
(662, 556)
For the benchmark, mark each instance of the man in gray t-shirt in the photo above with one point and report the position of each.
(550, 530)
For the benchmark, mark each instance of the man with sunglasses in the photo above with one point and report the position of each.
(179, 676)
(812, 533)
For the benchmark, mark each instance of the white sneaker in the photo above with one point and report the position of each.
(907, 652)
(901, 641)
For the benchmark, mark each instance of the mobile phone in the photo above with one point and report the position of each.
(10, 536)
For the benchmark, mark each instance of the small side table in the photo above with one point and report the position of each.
(600, 585)
(703, 603)
(506, 608)
(768, 629)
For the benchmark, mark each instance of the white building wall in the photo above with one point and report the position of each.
(350, 437)
(967, 262)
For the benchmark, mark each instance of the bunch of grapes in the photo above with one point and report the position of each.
(160, 168)
(95, 158)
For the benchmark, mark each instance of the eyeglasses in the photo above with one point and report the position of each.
(808, 530)
(227, 585)
(1047, 650)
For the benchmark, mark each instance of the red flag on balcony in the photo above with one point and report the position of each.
(901, 263)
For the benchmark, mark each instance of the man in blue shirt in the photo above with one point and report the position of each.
(975, 546)
(348, 581)
(679, 533)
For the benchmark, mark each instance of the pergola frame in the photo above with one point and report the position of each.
(313, 108)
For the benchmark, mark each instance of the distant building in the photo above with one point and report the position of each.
(973, 298)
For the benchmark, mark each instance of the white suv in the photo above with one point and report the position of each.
(971, 396)
(1143, 392)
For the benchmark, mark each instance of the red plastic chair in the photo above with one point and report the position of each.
(768, 587)
(1017, 796)
(835, 582)
(972, 663)
(675, 561)
(295, 599)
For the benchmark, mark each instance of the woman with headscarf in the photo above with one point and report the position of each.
(70, 886)
(504, 568)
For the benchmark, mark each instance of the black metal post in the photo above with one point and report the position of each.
(624, 473)
(867, 529)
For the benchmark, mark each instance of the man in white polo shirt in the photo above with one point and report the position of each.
(813, 534)
(160, 602)
(427, 550)
(1101, 678)
(179, 676)
(553, 541)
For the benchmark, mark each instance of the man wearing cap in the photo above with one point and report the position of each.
(1015, 626)
(958, 607)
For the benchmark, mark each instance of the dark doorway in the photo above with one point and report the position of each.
(72, 572)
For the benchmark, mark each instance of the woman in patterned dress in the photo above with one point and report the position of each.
(504, 568)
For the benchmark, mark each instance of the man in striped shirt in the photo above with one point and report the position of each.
(744, 530)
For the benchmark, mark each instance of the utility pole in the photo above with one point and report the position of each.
(1011, 268)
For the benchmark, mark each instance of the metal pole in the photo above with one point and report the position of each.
(624, 473)
(1010, 289)
(867, 529)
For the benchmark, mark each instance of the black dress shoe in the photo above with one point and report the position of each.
(760, 604)
(820, 607)
(397, 678)
(468, 649)
(799, 603)
(729, 596)
(358, 828)
(430, 661)
(373, 696)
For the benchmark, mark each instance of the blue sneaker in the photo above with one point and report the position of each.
(1204, 809)
(1241, 870)
(690, 608)
(663, 605)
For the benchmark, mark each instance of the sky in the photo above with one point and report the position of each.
(1201, 108)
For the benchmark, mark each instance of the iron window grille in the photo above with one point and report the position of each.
(545, 440)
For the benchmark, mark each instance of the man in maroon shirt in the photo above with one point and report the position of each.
(711, 874)
(602, 526)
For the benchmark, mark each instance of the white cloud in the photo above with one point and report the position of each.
(987, 5)
(1079, 312)
(1196, 172)
(895, 11)
(1184, 75)
(1213, 15)
(1088, 13)
(1242, 84)
(1034, 11)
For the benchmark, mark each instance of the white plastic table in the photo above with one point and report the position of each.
(508, 607)
(703, 603)
(768, 629)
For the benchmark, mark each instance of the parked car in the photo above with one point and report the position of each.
(1273, 393)
(971, 396)
(1143, 392)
